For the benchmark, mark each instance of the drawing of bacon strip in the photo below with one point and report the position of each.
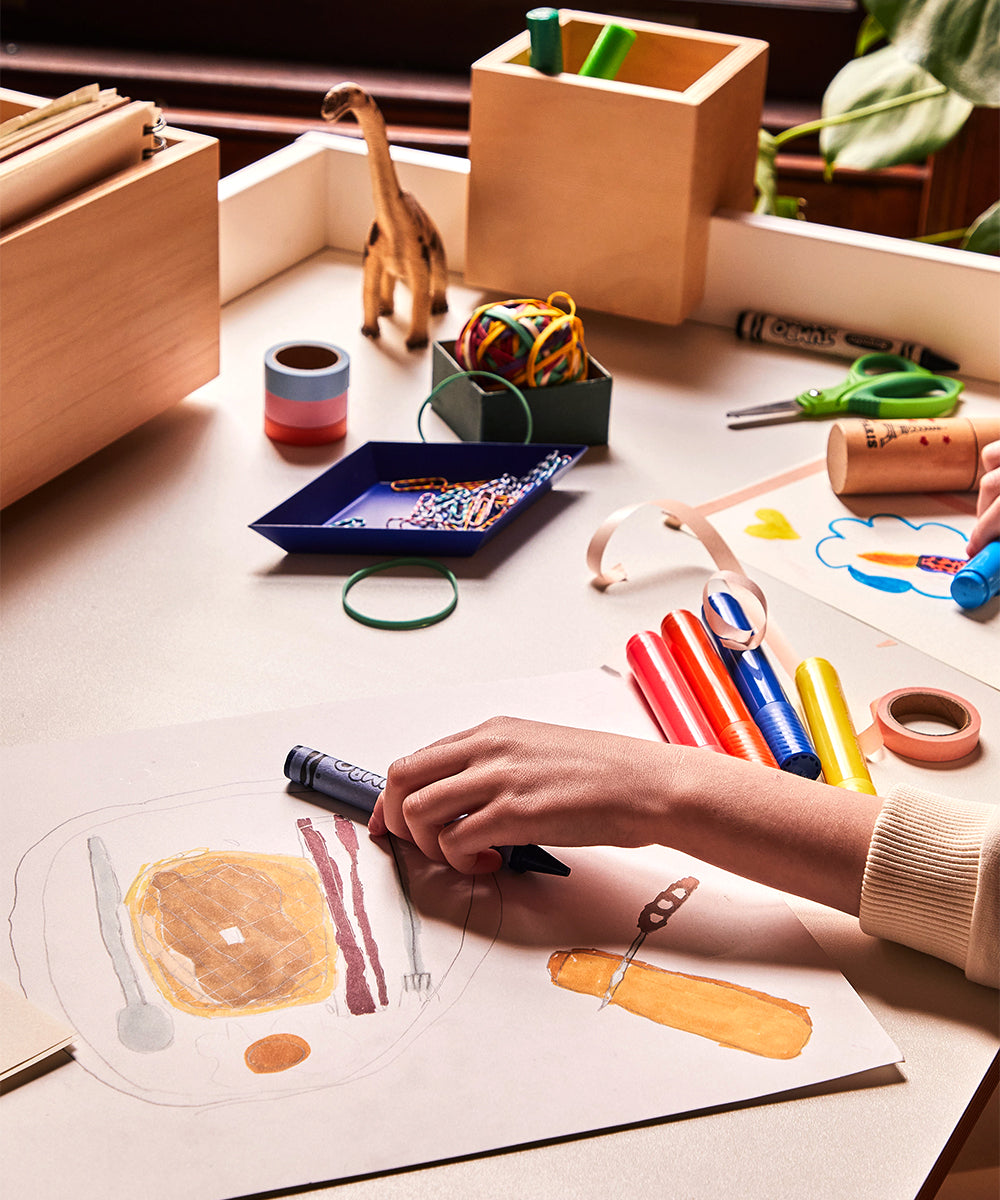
(359, 997)
(349, 840)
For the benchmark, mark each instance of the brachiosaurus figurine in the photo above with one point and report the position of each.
(403, 242)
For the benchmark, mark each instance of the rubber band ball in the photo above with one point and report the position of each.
(535, 342)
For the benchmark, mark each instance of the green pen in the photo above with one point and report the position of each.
(608, 52)
(546, 40)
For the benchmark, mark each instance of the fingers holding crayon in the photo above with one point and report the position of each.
(510, 781)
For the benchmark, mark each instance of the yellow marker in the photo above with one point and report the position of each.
(830, 724)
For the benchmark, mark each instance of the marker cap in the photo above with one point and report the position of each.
(783, 732)
(979, 580)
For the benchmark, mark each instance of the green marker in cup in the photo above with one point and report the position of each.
(608, 52)
(546, 40)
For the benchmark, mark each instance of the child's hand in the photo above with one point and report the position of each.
(513, 782)
(988, 506)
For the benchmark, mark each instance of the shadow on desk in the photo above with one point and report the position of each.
(884, 972)
(128, 474)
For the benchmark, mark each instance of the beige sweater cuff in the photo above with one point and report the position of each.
(922, 872)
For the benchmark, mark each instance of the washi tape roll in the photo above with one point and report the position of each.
(305, 393)
(889, 711)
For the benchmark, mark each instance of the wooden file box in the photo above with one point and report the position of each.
(110, 308)
(604, 188)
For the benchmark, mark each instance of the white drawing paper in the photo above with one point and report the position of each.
(476, 1038)
(883, 559)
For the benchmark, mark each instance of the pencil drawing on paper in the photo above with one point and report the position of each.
(142, 1026)
(273, 955)
(730, 1014)
(891, 554)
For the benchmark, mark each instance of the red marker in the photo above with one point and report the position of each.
(668, 693)
(689, 643)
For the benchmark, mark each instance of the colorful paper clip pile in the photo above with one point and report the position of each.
(472, 504)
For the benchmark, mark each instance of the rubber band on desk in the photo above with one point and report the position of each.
(439, 387)
(414, 622)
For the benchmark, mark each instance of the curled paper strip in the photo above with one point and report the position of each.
(730, 577)
(888, 730)
(751, 600)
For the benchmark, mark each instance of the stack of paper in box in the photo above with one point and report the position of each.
(48, 153)
(109, 284)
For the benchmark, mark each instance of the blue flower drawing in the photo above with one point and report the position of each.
(891, 554)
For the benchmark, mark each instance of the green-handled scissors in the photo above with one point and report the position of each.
(877, 385)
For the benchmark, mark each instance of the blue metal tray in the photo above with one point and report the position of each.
(359, 488)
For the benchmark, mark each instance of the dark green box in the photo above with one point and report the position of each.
(567, 412)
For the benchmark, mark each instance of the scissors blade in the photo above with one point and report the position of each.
(791, 407)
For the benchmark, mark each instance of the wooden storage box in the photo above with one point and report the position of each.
(110, 308)
(604, 188)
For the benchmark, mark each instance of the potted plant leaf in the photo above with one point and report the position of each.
(901, 101)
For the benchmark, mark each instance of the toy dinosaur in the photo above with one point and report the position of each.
(403, 242)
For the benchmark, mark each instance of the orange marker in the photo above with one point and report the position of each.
(689, 643)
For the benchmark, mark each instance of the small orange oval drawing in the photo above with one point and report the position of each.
(278, 1052)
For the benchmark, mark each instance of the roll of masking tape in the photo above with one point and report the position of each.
(305, 393)
(890, 731)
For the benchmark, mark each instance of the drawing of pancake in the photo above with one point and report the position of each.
(232, 933)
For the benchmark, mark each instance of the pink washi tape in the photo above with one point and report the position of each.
(305, 393)
(888, 728)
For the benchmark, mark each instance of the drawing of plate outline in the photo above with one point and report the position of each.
(31, 888)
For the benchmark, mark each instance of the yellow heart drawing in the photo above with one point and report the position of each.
(773, 525)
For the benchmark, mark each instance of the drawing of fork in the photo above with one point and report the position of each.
(418, 981)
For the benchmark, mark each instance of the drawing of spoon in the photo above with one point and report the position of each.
(142, 1026)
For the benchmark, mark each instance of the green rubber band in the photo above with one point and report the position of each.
(529, 420)
(415, 622)
(514, 325)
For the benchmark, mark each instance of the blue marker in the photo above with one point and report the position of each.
(979, 580)
(764, 696)
(360, 789)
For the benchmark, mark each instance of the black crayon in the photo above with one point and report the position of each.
(360, 789)
(828, 339)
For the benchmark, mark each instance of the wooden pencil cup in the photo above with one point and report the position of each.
(604, 188)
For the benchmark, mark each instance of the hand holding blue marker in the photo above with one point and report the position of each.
(360, 789)
(979, 580)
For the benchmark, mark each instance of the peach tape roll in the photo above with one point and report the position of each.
(888, 730)
(730, 576)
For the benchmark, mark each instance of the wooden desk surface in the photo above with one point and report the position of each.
(135, 596)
